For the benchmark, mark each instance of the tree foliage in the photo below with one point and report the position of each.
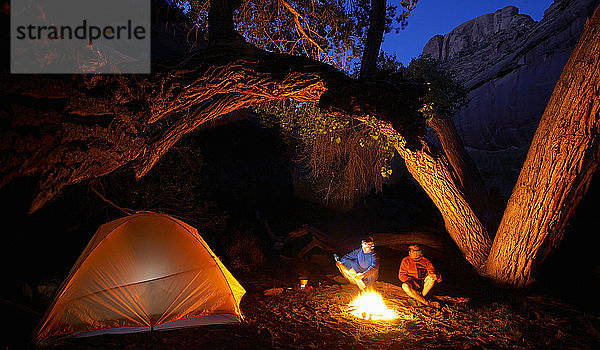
(343, 159)
(328, 31)
(445, 95)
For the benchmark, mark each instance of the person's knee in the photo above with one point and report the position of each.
(431, 279)
(374, 277)
(406, 287)
(347, 264)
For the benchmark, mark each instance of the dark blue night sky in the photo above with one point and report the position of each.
(433, 17)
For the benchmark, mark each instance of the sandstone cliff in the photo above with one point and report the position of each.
(509, 64)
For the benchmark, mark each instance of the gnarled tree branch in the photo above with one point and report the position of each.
(102, 123)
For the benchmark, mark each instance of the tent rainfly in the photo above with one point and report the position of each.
(142, 272)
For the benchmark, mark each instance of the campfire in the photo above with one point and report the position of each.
(370, 306)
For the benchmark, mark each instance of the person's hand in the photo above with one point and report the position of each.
(360, 276)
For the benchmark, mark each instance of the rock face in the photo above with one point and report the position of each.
(475, 35)
(509, 64)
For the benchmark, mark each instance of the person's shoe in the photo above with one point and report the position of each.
(412, 302)
(434, 304)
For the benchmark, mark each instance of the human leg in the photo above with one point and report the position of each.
(370, 279)
(344, 270)
(349, 274)
(411, 292)
(428, 284)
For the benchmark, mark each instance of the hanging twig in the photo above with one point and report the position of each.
(297, 18)
(124, 210)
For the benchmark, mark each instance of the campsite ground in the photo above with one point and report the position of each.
(473, 315)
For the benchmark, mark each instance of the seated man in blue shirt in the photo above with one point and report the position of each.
(360, 266)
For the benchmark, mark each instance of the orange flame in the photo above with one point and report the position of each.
(370, 306)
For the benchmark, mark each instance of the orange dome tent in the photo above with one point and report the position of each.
(142, 272)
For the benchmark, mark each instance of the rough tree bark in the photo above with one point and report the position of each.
(435, 175)
(466, 171)
(432, 170)
(558, 169)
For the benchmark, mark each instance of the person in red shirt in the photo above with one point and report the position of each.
(417, 275)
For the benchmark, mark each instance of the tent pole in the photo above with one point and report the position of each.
(150, 337)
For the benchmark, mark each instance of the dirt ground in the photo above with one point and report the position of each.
(317, 318)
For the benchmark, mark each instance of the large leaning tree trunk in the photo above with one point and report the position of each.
(437, 177)
(466, 170)
(434, 173)
(558, 169)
